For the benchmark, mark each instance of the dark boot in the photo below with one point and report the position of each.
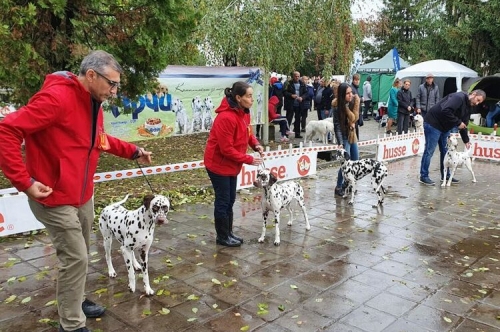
(222, 229)
(231, 218)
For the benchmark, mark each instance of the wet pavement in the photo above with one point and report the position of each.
(428, 260)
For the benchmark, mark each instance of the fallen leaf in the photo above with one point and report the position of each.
(164, 311)
(26, 300)
(293, 287)
(192, 297)
(245, 328)
(281, 307)
(10, 299)
(446, 319)
(146, 312)
(194, 310)
(53, 302)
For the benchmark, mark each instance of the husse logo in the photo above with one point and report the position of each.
(415, 146)
(2, 221)
(248, 177)
(303, 165)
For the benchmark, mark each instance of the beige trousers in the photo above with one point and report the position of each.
(69, 229)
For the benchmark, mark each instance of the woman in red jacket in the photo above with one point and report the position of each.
(225, 154)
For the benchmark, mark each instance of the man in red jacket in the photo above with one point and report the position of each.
(62, 126)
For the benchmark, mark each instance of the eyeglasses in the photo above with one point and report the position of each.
(112, 84)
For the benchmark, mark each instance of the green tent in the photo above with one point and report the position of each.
(381, 84)
(382, 73)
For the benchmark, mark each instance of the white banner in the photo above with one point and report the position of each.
(16, 216)
(400, 146)
(285, 168)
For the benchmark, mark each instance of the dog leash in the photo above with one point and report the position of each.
(144, 174)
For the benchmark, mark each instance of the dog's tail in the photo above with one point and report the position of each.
(120, 202)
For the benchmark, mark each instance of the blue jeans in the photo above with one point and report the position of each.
(283, 124)
(324, 116)
(353, 151)
(490, 117)
(433, 137)
(225, 194)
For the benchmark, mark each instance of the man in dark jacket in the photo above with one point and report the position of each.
(295, 92)
(404, 107)
(427, 96)
(452, 111)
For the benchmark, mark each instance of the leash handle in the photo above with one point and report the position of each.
(145, 177)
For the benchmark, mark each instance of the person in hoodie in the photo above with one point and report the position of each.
(367, 97)
(225, 154)
(63, 129)
(278, 119)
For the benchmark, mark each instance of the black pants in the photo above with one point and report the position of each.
(296, 122)
(225, 194)
(368, 107)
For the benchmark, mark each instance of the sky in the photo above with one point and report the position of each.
(364, 9)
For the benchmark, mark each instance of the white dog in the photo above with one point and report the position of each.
(197, 107)
(207, 113)
(134, 230)
(276, 197)
(320, 128)
(418, 119)
(181, 119)
(453, 159)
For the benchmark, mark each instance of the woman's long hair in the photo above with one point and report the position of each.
(341, 104)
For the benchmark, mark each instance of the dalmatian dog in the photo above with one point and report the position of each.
(320, 128)
(276, 197)
(197, 107)
(453, 159)
(207, 113)
(181, 119)
(418, 119)
(354, 170)
(134, 230)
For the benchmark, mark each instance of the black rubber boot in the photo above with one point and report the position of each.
(231, 219)
(222, 229)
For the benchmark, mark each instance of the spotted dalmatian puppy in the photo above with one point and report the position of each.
(276, 197)
(134, 230)
(354, 170)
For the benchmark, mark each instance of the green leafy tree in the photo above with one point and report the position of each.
(470, 34)
(279, 35)
(406, 25)
(41, 37)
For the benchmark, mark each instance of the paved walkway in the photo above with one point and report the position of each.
(428, 260)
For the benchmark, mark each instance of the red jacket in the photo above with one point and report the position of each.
(273, 101)
(57, 125)
(228, 140)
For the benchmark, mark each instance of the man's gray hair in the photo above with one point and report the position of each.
(99, 60)
(479, 92)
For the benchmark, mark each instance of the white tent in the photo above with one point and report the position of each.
(443, 70)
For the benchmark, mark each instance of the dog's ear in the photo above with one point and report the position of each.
(346, 155)
(146, 201)
(272, 179)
